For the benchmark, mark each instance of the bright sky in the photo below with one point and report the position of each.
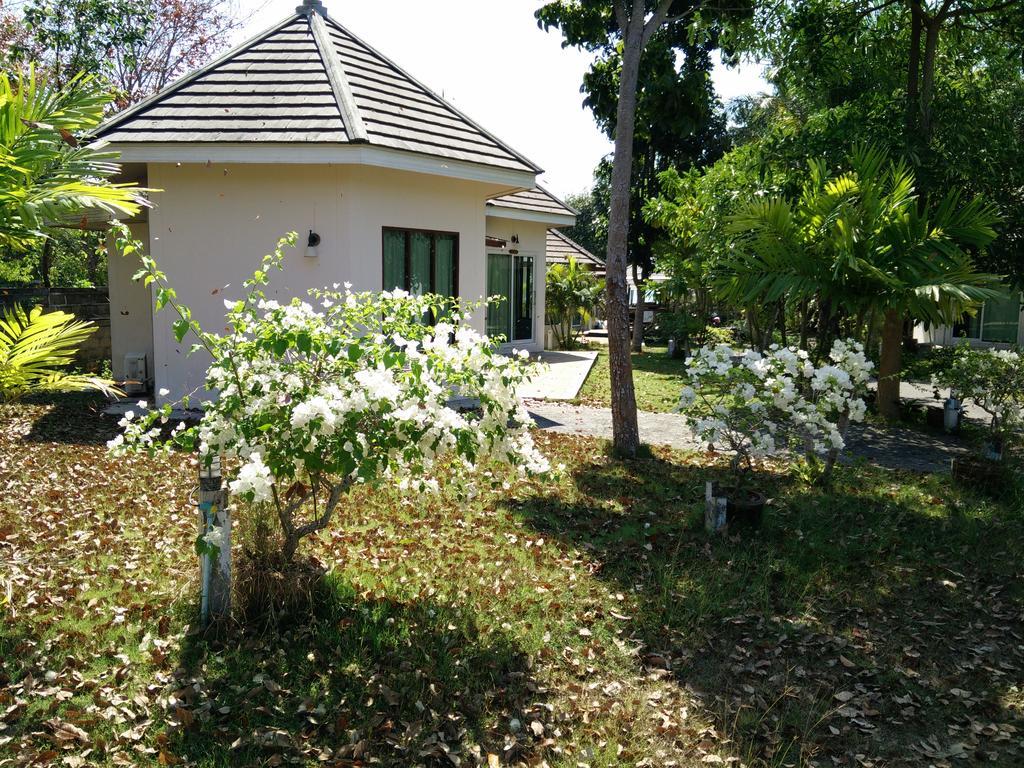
(489, 58)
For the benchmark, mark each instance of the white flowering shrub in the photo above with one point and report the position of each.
(316, 397)
(993, 379)
(758, 405)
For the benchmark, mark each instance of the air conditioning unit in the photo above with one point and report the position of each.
(136, 375)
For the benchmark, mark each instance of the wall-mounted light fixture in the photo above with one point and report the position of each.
(312, 244)
(515, 239)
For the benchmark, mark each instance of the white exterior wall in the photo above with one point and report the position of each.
(212, 224)
(131, 307)
(532, 242)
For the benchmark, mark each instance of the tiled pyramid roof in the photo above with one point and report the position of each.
(309, 80)
(560, 248)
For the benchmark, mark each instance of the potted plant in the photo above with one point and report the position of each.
(757, 405)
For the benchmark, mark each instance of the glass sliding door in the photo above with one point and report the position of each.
(511, 278)
(499, 283)
(522, 290)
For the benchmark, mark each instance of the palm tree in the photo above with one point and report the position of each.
(36, 347)
(572, 293)
(863, 241)
(49, 173)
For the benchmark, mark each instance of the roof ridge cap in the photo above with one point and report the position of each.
(445, 102)
(343, 96)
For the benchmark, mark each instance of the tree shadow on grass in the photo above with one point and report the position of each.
(74, 418)
(362, 680)
(879, 618)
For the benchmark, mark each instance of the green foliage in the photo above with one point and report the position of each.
(573, 293)
(842, 74)
(35, 350)
(991, 379)
(48, 174)
(861, 240)
(136, 46)
(591, 227)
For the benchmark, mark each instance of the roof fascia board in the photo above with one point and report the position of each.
(557, 219)
(181, 82)
(536, 168)
(312, 154)
(354, 125)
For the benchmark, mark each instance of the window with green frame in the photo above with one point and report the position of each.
(421, 261)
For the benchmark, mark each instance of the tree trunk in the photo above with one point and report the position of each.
(45, 259)
(782, 323)
(913, 73)
(638, 313)
(931, 45)
(805, 323)
(625, 431)
(889, 364)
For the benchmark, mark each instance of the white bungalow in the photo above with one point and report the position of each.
(306, 128)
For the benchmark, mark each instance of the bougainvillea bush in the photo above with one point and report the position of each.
(758, 404)
(315, 397)
(993, 379)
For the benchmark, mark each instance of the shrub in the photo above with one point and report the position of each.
(991, 379)
(761, 404)
(358, 390)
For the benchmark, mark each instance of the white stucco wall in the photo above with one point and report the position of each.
(213, 223)
(131, 307)
(532, 242)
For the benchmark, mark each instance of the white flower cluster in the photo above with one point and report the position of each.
(759, 405)
(993, 379)
(362, 390)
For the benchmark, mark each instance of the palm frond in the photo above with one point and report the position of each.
(34, 348)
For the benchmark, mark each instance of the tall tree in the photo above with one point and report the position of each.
(139, 46)
(623, 28)
(679, 124)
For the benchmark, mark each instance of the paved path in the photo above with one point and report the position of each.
(563, 378)
(889, 447)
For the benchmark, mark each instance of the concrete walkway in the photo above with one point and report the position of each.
(563, 378)
(889, 447)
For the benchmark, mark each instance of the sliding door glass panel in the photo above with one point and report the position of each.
(394, 260)
(420, 264)
(1001, 320)
(522, 291)
(444, 265)
(499, 283)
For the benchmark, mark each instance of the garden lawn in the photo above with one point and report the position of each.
(658, 380)
(578, 620)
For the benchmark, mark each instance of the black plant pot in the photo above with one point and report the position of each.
(744, 509)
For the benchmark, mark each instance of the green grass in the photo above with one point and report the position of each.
(582, 619)
(656, 377)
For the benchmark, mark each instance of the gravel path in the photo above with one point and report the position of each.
(889, 447)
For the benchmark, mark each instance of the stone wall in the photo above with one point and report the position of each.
(84, 303)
